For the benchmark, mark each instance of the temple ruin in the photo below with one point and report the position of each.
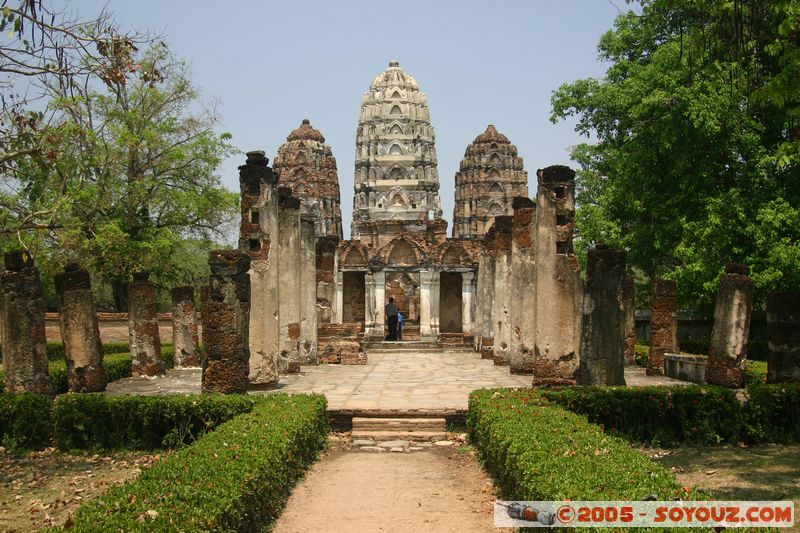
(296, 293)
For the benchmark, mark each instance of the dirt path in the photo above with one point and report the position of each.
(354, 491)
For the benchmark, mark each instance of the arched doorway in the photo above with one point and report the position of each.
(450, 302)
(354, 295)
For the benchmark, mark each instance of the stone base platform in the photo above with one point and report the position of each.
(392, 383)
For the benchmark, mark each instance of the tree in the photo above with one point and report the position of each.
(123, 171)
(692, 168)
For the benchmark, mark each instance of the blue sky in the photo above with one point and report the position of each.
(271, 64)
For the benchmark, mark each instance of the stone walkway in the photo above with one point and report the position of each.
(391, 381)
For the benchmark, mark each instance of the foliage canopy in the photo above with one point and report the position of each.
(697, 159)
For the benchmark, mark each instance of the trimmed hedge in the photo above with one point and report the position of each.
(99, 421)
(691, 415)
(755, 372)
(641, 354)
(234, 479)
(24, 421)
(537, 451)
(772, 413)
(661, 416)
(116, 365)
(55, 349)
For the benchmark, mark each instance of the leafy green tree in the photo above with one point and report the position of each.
(692, 168)
(123, 172)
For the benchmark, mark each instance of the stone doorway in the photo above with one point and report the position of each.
(354, 297)
(450, 303)
(404, 287)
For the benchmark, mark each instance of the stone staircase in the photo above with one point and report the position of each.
(380, 429)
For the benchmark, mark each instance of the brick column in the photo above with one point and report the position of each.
(783, 334)
(145, 342)
(326, 285)
(523, 286)
(503, 291)
(663, 324)
(629, 319)
(258, 237)
(83, 348)
(308, 292)
(24, 341)
(288, 240)
(184, 327)
(731, 330)
(559, 290)
(484, 304)
(226, 321)
(603, 326)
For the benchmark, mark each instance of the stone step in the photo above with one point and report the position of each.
(406, 424)
(386, 429)
(415, 436)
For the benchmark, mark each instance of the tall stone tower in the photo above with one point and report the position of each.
(396, 181)
(306, 164)
(490, 176)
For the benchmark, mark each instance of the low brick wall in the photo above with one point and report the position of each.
(341, 344)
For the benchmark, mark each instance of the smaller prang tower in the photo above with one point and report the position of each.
(490, 176)
(306, 164)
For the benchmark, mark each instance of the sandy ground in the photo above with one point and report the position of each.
(353, 491)
(44, 488)
(770, 472)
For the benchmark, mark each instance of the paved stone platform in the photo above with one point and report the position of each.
(407, 382)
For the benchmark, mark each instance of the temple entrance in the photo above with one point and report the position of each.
(450, 302)
(353, 297)
(404, 287)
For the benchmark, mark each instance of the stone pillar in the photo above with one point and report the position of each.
(338, 306)
(83, 348)
(729, 335)
(603, 340)
(523, 286)
(435, 304)
(783, 334)
(308, 292)
(425, 303)
(258, 238)
(663, 324)
(558, 283)
(503, 290)
(226, 323)
(374, 306)
(290, 280)
(326, 278)
(484, 305)
(629, 320)
(185, 347)
(24, 340)
(145, 342)
(467, 292)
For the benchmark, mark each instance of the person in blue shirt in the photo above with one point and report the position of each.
(399, 326)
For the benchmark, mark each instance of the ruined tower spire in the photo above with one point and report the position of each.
(306, 164)
(490, 176)
(395, 172)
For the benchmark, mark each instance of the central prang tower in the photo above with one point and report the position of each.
(396, 180)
